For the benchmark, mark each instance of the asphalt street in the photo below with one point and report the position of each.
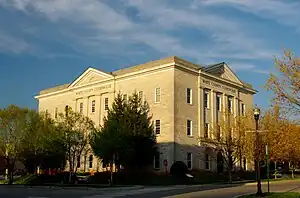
(207, 191)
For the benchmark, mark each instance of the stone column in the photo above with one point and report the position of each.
(201, 112)
(213, 109)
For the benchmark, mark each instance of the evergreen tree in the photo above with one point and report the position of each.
(127, 136)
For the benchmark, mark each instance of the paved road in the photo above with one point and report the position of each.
(207, 191)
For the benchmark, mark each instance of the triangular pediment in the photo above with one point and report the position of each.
(89, 76)
(223, 70)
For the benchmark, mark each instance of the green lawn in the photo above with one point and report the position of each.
(276, 195)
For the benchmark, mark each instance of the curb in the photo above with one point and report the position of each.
(75, 188)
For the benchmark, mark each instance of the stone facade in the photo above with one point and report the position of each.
(175, 90)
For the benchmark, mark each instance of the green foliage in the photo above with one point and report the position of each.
(13, 122)
(127, 136)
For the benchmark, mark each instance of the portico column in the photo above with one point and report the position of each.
(213, 112)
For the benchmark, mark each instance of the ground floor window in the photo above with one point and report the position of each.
(78, 162)
(189, 160)
(156, 163)
(207, 162)
(91, 161)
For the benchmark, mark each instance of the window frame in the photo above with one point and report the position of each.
(106, 103)
(157, 129)
(156, 161)
(206, 130)
(206, 96)
(207, 162)
(157, 98)
(189, 127)
(81, 107)
(93, 110)
(189, 161)
(189, 96)
(91, 159)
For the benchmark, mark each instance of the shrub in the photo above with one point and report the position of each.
(179, 169)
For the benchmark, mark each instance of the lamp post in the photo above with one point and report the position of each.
(256, 117)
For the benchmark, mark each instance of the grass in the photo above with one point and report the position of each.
(281, 179)
(276, 195)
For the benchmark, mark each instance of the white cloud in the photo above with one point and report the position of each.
(110, 31)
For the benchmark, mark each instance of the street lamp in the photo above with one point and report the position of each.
(256, 117)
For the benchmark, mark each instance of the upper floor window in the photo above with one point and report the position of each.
(93, 106)
(189, 160)
(157, 95)
(125, 97)
(230, 104)
(189, 131)
(141, 94)
(81, 107)
(243, 109)
(206, 99)
(218, 102)
(67, 110)
(189, 98)
(206, 128)
(56, 112)
(157, 127)
(106, 104)
(218, 132)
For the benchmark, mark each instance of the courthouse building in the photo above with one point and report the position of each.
(185, 101)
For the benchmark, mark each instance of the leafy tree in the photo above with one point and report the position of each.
(39, 132)
(74, 131)
(286, 85)
(127, 136)
(13, 121)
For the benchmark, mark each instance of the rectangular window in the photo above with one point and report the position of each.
(206, 99)
(218, 132)
(91, 161)
(243, 110)
(106, 104)
(218, 102)
(125, 97)
(230, 100)
(189, 160)
(93, 106)
(206, 130)
(78, 162)
(157, 127)
(207, 162)
(67, 110)
(156, 163)
(81, 107)
(189, 128)
(157, 95)
(189, 96)
(141, 95)
(56, 112)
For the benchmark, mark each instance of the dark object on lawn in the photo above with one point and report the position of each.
(179, 169)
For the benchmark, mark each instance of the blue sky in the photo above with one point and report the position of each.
(44, 43)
